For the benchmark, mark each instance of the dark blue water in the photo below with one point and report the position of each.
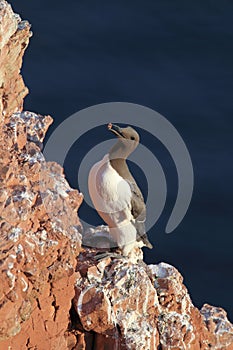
(175, 57)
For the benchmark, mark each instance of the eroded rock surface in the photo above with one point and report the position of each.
(40, 238)
(14, 39)
(123, 305)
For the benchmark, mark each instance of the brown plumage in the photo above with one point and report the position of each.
(116, 195)
(128, 139)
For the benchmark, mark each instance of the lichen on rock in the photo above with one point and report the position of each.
(40, 230)
(40, 236)
(14, 39)
(139, 307)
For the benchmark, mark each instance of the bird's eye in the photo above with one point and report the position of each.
(132, 138)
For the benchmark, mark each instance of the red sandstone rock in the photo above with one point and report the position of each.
(39, 237)
(133, 306)
(118, 304)
(14, 38)
(217, 323)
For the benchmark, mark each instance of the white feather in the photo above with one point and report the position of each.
(111, 196)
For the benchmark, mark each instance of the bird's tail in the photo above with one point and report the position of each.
(146, 241)
(141, 234)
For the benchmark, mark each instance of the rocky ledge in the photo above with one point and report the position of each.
(123, 305)
(54, 294)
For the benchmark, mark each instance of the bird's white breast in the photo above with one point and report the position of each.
(111, 196)
(109, 192)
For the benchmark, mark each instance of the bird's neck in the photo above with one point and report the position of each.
(121, 167)
(118, 150)
(118, 155)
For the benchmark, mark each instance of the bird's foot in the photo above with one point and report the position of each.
(108, 255)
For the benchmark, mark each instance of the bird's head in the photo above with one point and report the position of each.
(128, 139)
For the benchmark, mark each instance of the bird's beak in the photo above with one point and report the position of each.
(115, 129)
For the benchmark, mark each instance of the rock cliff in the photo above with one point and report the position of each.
(53, 293)
(122, 305)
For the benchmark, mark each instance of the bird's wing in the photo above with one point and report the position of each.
(138, 207)
(138, 210)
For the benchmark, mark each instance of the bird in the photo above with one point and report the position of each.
(116, 195)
